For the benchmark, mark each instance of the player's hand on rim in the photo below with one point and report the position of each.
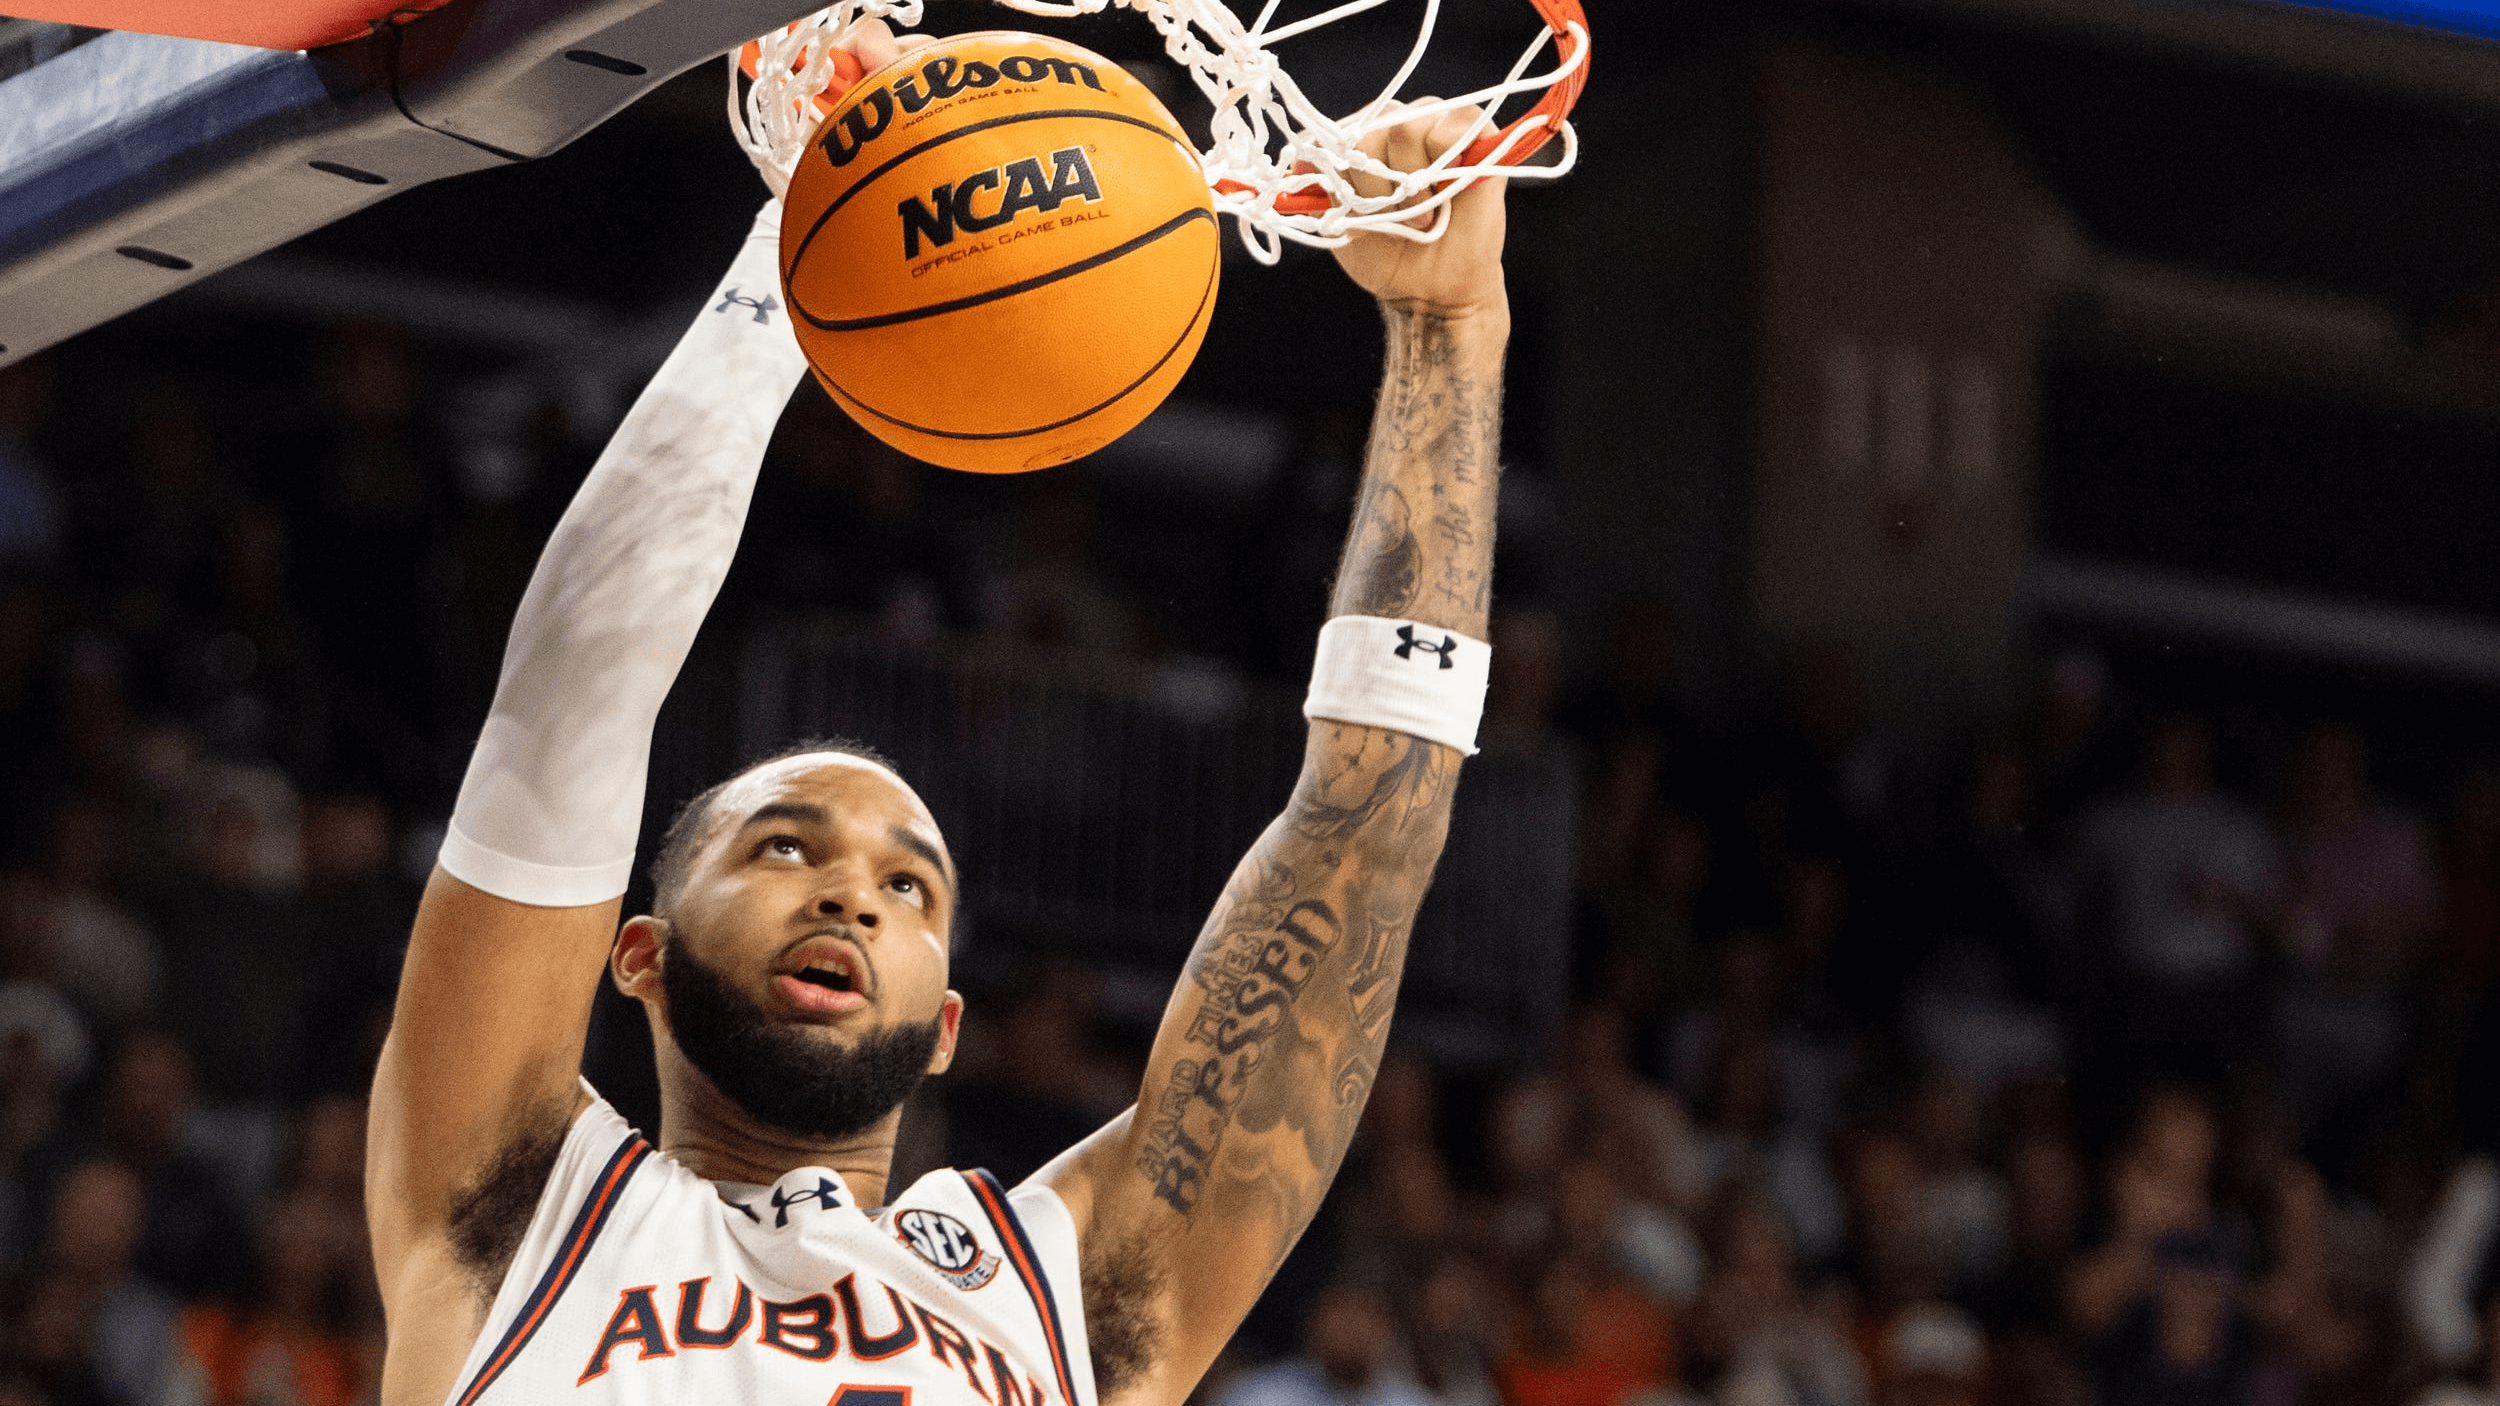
(875, 45)
(1457, 277)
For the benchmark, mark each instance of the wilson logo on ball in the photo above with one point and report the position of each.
(949, 208)
(944, 77)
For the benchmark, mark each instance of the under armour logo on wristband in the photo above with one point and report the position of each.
(764, 307)
(1447, 647)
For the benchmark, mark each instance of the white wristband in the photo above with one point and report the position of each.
(1396, 674)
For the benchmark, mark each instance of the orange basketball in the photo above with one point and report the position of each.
(999, 252)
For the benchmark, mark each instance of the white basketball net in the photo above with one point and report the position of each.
(1269, 142)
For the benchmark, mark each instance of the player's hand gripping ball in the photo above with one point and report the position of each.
(999, 252)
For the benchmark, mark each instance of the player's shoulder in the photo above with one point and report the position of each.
(966, 1225)
(971, 1229)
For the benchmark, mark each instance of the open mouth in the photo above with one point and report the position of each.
(830, 978)
(829, 981)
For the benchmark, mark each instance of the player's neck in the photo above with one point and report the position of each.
(717, 1140)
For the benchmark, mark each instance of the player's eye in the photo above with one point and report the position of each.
(910, 887)
(785, 847)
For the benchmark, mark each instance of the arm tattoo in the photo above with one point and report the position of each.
(1384, 556)
(1422, 542)
(1264, 1062)
(1294, 981)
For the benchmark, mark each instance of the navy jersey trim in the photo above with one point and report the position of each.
(1028, 1265)
(592, 1218)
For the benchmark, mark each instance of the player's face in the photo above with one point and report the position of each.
(822, 893)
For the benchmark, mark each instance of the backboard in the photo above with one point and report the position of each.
(132, 164)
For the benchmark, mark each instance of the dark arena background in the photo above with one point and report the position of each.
(1983, 881)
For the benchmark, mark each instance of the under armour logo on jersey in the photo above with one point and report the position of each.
(764, 307)
(1447, 647)
(827, 1196)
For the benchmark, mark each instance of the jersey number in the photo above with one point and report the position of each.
(872, 1396)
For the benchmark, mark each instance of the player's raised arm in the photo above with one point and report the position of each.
(479, 1076)
(1186, 1206)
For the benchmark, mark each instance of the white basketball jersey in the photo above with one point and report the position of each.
(642, 1282)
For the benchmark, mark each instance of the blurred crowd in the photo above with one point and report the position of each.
(2101, 1056)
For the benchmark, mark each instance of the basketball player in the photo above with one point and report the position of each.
(533, 1248)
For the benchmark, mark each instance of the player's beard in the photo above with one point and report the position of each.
(783, 1078)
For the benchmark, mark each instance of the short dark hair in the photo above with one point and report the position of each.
(685, 829)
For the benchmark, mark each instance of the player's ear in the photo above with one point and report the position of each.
(950, 1025)
(634, 962)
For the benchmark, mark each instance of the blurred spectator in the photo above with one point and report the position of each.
(2046, 1194)
(2168, 1303)
(2159, 1185)
(237, 943)
(1407, 1203)
(2320, 1334)
(2459, 1038)
(1350, 1357)
(1636, 1262)
(1985, 996)
(1934, 1355)
(1600, 1105)
(355, 911)
(30, 1108)
(105, 958)
(2363, 895)
(2447, 1281)
(1761, 1097)
(1962, 1201)
(1832, 777)
(31, 754)
(1897, 1260)
(1756, 1339)
(95, 715)
(292, 1336)
(123, 1319)
(1526, 683)
(2186, 1342)
(1569, 1355)
(1462, 1317)
(2187, 882)
(2481, 1385)
(192, 1239)
(51, 1343)
(32, 1007)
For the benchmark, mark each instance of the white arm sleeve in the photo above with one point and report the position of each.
(552, 802)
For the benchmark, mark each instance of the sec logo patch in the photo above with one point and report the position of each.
(948, 1245)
